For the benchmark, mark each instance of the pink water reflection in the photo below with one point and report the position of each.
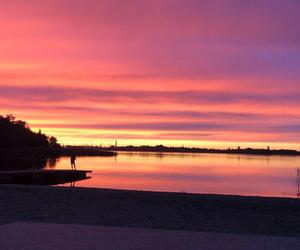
(192, 173)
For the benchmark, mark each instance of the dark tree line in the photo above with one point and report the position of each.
(17, 134)
(21, 148)
(162, 148)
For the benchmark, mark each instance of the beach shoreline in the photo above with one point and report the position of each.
(156, 210)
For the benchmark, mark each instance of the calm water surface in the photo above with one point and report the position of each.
(191, 173)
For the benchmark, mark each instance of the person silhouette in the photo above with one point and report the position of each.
(73, 165)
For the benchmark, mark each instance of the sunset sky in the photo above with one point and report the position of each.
(213, 73)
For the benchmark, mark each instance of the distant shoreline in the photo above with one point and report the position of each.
(239, 151)
(113, 151)
(141, 209)
(56, 152)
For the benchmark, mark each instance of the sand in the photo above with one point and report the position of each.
(156, 210)
(37, 236)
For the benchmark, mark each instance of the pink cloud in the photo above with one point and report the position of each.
(190, 57)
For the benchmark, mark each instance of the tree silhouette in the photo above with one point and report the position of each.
(53, 142)
(17, 134)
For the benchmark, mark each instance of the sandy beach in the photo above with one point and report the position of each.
(156, 210)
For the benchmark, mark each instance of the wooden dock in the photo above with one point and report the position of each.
(42, 177)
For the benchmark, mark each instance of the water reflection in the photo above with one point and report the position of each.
(52, 162)
(22, 162)
(192, 173)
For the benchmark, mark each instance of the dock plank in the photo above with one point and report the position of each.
(42, 177)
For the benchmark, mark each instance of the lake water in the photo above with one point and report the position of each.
(191, 173)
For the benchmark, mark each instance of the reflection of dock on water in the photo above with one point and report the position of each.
(42, 177)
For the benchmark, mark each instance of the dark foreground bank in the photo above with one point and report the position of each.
(208, 213)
